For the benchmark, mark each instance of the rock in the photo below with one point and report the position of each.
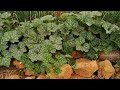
(66, 71)
(52, 75)
(28, 72)
(18, 64)
(106, 70)
(30, 77)
(114, 55)
(85, 67)
(75, 76)
(65, 74)
(42, 76)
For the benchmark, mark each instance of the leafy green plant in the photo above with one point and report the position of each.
(34, 42)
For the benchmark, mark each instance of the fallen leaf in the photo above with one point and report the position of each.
(85, 67)
(106, 70)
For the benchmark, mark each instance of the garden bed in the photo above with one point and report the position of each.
(82, 45)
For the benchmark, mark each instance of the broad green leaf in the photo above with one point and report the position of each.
(89, 36)
(80, 40)
(34, 56)
(16, 51)
(5, 15)
(5, 61)
(71, 23)
(12, 36)
(57, 71)
(52, 27)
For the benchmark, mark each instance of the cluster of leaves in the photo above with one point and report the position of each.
(34, 42)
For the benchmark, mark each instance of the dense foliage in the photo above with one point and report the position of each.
(34, 42)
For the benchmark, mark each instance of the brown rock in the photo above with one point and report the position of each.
(42, 76)
(52, 75)
(18, 64)
(28, 72)
(85, 67)
(30, 77)
(65, 74)
(106, 70)
(75, 76)
(114, 55)
(66, 71)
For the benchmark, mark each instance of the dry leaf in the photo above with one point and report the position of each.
(85, 67)
(42, 76)
(18, 64)
(106, 70)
